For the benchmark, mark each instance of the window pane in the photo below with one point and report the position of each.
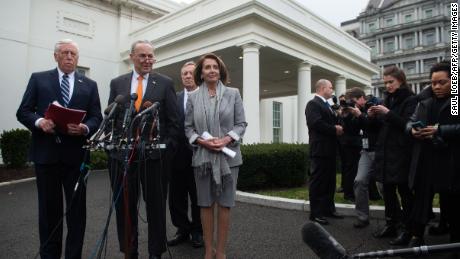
(429, 13)
(408, 18)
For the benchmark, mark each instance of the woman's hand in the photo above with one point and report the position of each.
(214, 144)
(379, 109)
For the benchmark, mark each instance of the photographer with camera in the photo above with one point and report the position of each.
(350, 145)
(367, 129)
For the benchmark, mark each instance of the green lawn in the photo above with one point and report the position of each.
(301, 193)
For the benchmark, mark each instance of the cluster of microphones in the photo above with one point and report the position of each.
(104, 136)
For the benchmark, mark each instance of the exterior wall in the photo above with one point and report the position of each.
(29, 30)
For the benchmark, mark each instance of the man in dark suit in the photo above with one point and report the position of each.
(182, 183)
(323, 131)
(58, 154)
(150, 170)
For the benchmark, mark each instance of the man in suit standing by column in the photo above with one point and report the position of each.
(182, 182)
(323, 131)
(150, 171)
(57, 155)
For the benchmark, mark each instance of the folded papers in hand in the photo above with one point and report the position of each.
(61, 116)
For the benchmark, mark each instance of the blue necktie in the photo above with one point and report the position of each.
(65, 89)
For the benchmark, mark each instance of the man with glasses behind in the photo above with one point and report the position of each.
(150, 171)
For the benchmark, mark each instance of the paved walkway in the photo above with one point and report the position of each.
(256, 231)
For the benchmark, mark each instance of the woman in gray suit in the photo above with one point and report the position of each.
(214, 123)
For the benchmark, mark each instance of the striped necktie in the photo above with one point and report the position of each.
(65, 89)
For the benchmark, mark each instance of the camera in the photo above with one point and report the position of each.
(371, 101)
(347, 104)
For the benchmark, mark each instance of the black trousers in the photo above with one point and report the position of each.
(322, 186)
(393, 211)
(349, 162)
(151, 176)
(181, 188)
(51, 180)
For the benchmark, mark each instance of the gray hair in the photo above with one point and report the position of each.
(189, 63)
(133, 46)
(64, 41)
(320, 83)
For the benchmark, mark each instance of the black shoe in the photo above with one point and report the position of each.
(320, 220)
(403, 239)
(361, 223)
(439, 230)
(416, 241)
(335, 215)
(178, 238)
(155, 257)
(197, 240)
(386, 231)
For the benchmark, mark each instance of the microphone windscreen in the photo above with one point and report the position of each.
(321, 242)
(134, 96)
(120, 99)
(147, 104)
(334, 99)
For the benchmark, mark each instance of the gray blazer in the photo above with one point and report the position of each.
(232, 122)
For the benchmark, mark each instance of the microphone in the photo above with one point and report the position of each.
(119, 100)
(129, 111)
(109, 111)
(149, 107)
(334, 99)
(321, 242)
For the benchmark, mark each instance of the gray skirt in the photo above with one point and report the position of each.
(205, 189)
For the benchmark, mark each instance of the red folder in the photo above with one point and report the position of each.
(61, 116)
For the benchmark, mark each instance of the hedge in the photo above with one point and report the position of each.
(264, 165)
(15, 146)
(273, 165)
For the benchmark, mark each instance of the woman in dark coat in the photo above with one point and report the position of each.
(433, 167)
(392, 154)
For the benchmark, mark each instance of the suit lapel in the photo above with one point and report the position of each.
(55, 85)
(181, 103)
(77, 87)
(149, 90)
(224, 101)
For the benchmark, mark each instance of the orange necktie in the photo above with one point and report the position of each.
(139, 92)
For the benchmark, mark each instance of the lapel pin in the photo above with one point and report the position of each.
(79, 80)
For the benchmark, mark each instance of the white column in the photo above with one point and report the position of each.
(381, 45)
(377, 46)
(417, 66)
(437, 34)
(251, 92)
(340, 85)
(400, 41)
(420, 38)
(397, 46)
(303, 96)
(416, 39)
(421, 66)
(441, 33)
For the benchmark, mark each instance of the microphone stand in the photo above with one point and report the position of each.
(412, 251)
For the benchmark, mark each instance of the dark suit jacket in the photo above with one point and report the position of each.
(184, 152)
(159, 89)
(43, 89)
(321, 123)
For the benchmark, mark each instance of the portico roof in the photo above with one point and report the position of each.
(286, 32)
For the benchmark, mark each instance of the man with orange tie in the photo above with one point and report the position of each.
(147, 172)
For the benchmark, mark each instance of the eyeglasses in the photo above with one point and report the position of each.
(67, 52)
(440, 82)
(144, 57)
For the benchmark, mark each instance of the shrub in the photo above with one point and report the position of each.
(273, 165)
(15, 145)
(98, 160)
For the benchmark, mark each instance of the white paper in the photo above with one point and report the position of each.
(226, 150)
